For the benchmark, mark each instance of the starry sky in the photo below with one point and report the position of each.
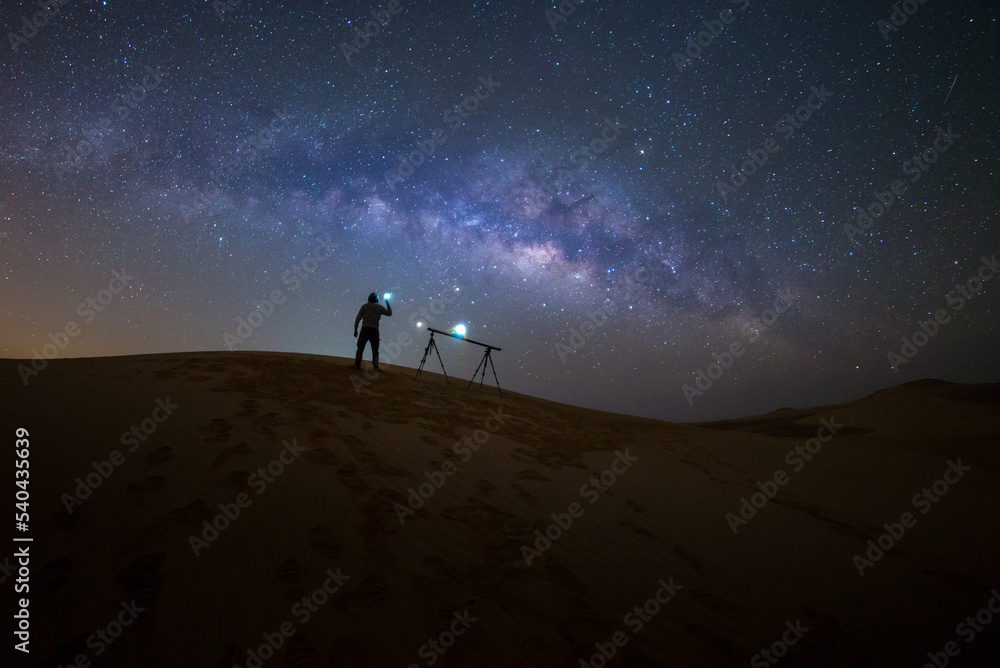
(615, 193)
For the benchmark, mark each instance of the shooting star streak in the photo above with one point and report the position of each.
(950, 89)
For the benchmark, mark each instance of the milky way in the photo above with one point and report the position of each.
(618, 194)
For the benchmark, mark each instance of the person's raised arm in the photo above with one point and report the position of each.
(388, 308)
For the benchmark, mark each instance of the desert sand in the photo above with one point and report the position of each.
(131, 576)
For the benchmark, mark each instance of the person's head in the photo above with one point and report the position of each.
(372, 298)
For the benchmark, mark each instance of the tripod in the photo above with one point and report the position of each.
(431, 344)
(486, 356)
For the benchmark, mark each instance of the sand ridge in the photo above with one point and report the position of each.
(334, 507)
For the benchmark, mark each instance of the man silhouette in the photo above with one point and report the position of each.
(369, 315)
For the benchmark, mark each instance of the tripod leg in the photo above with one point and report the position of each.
(424, 359)
(494, 376)
(476, 372)
(442, 365)
(430, 344)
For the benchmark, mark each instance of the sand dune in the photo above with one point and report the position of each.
(335, 560)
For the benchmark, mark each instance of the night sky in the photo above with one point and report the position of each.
(610, 203)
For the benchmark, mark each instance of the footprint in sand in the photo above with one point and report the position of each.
(321, 457)
(271, 419)
(148, 484)
(642, 531)
(478, 515)
(143, 579)
(525, 495)
(442, 569)
(289, 572)
(558, 574)
(689, 558)
(305, 411)
(717, 604)
(242, 448)
(636, 506)
(219, 429)
(351, 477)
(160, 455)
(322, 539)
(192, 513)
(380, 518)
(319, 433)
(267, 432)
(265, 424)
(373, 591)
(248, 408)
(362, 453)
(388, 497)
(235, 480)
(386, 470)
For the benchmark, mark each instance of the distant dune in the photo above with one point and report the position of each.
(398, 522)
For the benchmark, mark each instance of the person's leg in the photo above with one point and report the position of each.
(374, 339)
(362, 340)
